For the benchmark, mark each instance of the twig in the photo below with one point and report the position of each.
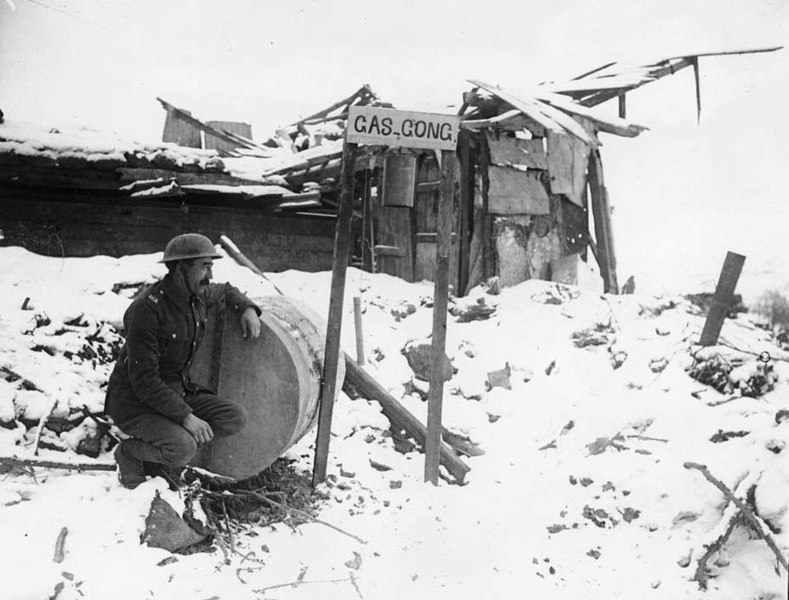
(229, 530)
(647, 438)
(59, 546)
(725, 400)
(297, 583)
(305, 515)
(750, 518)
(287, 508)
(356, 586)
(53, 464)
(700, 575)
(42, 421)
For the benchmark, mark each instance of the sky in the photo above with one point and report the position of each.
(683, 192)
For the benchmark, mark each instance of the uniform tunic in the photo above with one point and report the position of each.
(164, 328)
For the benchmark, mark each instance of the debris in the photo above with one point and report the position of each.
(419, 357)
(473, 312)
(595, 554)
(60, 546)
(657, 365)
(602, 444)
(379, 466)
(165, 529)
(395, 484)
(725, 436)
(500, 378)
(355, 563)
(401, 312)
(629, 514)
(549, 369)
(596, 336)
(745, 515)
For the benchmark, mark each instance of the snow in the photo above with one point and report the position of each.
(581, 490)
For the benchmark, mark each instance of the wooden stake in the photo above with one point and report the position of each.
(723, 298)
(342, 237)
(357, 319)
(440, 300)
(601, 211)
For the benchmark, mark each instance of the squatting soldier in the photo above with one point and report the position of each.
(151, 396)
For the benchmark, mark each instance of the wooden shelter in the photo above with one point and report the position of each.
(531, 198)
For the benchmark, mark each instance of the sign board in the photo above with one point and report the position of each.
(389, 127)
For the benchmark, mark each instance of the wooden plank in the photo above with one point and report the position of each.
(601, 211)
(399, 180)
(425, 260)
(394, 227)
(466, 201)
(228, 127)
(179, 131)
(549, 117)
(506, 151)
(568, 158)
(382, 250)
(399, 416)
(428, 186)
(723, 299)
(440, 301)
(332, 353)
(515, 192)
(127, 175)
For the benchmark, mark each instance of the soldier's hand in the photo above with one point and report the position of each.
(200, 430)
(250, 324)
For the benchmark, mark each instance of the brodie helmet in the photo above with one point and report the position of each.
(187, 246)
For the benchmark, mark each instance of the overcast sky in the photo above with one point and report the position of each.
(681, 189)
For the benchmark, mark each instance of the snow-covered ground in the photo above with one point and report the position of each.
(581, 490)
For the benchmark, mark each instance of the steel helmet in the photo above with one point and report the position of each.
(187, 246)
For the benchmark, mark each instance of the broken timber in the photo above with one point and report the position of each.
(723, 298)
(399, 416)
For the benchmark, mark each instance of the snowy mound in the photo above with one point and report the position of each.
(578, 411)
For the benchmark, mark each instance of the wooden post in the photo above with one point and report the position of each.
(601, 210)
(357, 318)
(722, 300)
(342, 236)
(440, 299)
(466, 206)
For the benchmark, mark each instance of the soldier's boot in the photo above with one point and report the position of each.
(130, 468)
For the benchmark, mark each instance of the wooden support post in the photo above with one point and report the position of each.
(342, 237)
(466, 207)
(357, 319)
(723, 298)
(601, 210)
(488, 266)
(440, 300)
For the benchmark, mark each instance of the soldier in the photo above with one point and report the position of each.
(151, 396)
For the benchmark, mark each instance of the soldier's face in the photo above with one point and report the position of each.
(197, 274)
